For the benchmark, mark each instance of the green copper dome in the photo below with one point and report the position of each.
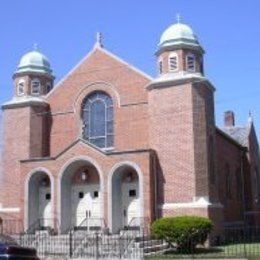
(178, 34)
(34, 61)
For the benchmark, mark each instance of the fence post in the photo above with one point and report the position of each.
(244, 242)
(96, 245)
(70, 244)
(1, 226)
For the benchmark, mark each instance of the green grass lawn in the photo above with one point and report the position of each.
(249, 251)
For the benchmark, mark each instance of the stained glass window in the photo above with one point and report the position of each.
(97, 116)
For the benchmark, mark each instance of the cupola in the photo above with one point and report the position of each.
(33, 76)
(178, 34)
(34, 62)
(179, 52)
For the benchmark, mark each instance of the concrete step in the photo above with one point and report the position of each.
(155, 248)
(148, 243)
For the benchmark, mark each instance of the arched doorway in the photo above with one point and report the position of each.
(125, 202)
(80, 197)
(39, 207)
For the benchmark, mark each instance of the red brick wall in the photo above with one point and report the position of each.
(229, 154)
(125, 86)
(171, 136)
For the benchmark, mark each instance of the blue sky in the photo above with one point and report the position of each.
(65, 30)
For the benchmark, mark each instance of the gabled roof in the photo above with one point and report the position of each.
(89, 145)
(239, 133)
(106, 52)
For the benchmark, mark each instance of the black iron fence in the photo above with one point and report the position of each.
(82, 244)
(134, 242)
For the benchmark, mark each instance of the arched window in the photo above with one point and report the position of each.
(211, 160)
(48, 87)
(190, 62)
(35, 87)
(20, 87)
(228, 182)
(239, 184)
(257, 183)
(160, 66)
(173, 62)
(97, 116)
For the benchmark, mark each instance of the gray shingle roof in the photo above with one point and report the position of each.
(239, 133)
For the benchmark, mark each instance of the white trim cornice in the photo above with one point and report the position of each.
(9, 210)
(171, 80)
(200, 203)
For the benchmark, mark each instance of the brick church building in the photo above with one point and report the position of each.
(110, 144)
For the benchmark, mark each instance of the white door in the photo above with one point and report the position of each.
(45, 206)
(85, 203)
(130, 203)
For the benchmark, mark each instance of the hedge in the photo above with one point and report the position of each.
(186, 232)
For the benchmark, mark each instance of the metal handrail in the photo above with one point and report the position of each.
(72, 231)
(142, 221)
(86, 221)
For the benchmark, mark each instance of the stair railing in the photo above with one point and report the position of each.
(126, 241)
(85, 225)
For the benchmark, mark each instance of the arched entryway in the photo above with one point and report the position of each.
(39, 206)
(125, 195)
(80, 196)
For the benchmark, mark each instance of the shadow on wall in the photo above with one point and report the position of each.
(159, 182)
(47, 125)
(1, 150)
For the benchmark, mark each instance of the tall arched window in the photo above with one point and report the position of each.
(257, 184)
(97, 117)
(239, 187)
(228, 182)
(212, 176)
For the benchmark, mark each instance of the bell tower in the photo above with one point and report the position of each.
(182, 127)
(25, 122)
(33, 77)
(179, 52)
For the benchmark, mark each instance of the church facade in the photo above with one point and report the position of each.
(113, 146)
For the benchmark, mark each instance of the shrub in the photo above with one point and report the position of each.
(186, 231)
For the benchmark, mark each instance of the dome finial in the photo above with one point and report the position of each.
(250, 116)
(35, 47)
(178, 18)
(99, 39)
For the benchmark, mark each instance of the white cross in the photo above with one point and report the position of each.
(99, 39)
(178, 18)
(35, 46)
